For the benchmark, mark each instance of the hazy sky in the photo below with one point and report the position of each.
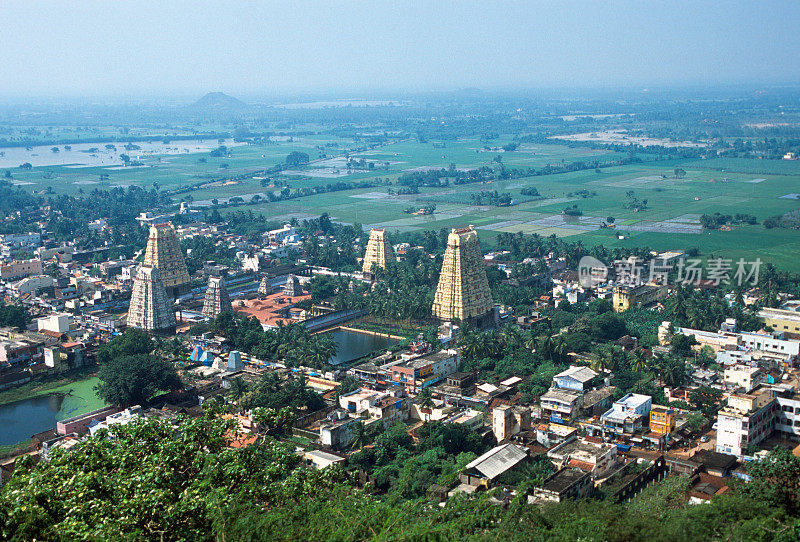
(191, 47)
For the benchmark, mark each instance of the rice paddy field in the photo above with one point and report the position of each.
(763, 188)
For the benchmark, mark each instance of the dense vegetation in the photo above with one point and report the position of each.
(150, 482)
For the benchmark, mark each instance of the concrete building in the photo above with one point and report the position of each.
(626, 297)
(508, 420)
(597, 458)
(282, 235)
(550, 435)
(337, 431)
(164, 253)
(662, 420)
(150, 308)
(379, 251)
(627, 415)
(566, 483)
(322, 460)
(57, 322)
(743, 376)
(745, 421)
(33, 285)
(216, 300)
(787, 321)
(560, 406)
(575, 378)
(463, 290)
(19, 269)
(422, 371)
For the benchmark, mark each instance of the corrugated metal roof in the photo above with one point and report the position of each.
(498, 460)
(581, 374)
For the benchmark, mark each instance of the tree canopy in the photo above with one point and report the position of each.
(133, 380)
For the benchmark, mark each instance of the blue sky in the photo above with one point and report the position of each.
(191, 47)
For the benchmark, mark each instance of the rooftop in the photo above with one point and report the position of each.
(498, 460)
(554, 394)
(581, 374)
(563, 479)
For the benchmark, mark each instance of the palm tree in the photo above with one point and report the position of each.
(425, 401)
(359, 435)
(638, 362)
(238, 388)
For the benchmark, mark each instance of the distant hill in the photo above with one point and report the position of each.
(219, 100)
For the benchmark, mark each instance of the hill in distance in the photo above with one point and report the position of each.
(219, 100)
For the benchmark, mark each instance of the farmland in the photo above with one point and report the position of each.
(669, 220)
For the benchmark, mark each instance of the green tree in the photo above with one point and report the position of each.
(133, 341)
(776, 480)
(297, 158)
(133, 380)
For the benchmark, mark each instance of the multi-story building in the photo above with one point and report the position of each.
(747, 420)
(19, 269)
(743, 376)
(566, 483)
(787, 415)
(626, 297)
(662, 420)
(594, 457)
(508, 420)
(560, 406)
(422, 371)
(575, 378)
(785, 320)
(627, 415)
(337, 431)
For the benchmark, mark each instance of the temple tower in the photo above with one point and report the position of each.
(217, 299)
(265, 286)
(164, 253)
(463, 291)
(379, 251)
(292, 287)
(150, 308)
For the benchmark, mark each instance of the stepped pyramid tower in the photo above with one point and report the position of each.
(463, 290)
(292, 287)
(150, 307)
(164, 253)
(379, 251)
(217, 299)
(265, 286)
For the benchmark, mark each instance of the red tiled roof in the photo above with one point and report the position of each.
(583, 465)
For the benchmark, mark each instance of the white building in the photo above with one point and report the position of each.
(58, 322)
(508, 420)
(575, 378)
(120, 418)
(285, 234)
(743, 376)
(745, 421)
(597, 458)
(627, 415)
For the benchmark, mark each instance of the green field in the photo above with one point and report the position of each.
(671, 220)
